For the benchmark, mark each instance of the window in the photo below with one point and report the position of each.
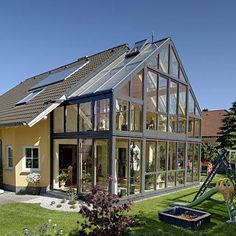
(9, 157)
(85, 116)
(135, 167)
(173, 98)
(101, 113)
(102, 162)
(196, 162)
(122, 156)
(172, 156)
(190, 104)
(161, 157)
(31, 158)
(181, 76)
(182, 100)
(137, 86)
(28, 98)
(197, 132)
(162, 123)
(162, 95)
(191, 127)
(124, 91)
(153, 63)
(163, 60)
(122, 111)
(71, 118)
(174, 65)
(150, 156)
(58, 120)
(136, 117)
(151, 121)
(151, 91)
(189, 170)
(181, 156)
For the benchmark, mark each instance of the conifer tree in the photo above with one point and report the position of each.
(228, 130)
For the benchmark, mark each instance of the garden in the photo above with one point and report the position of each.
(18, 216)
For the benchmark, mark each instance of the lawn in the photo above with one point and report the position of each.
(14, 217)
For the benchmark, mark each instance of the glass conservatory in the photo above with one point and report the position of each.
(134, 128)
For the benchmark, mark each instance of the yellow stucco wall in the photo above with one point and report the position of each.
(20, 137)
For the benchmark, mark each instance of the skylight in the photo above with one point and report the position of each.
(138, 46)
(28, 98)
(58, 76)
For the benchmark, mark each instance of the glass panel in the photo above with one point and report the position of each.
(182, 100)
(151, 91)
(174, 65)
(162, 95)
(124, 91)
(162, 123)
(171, 179)
(58, 120)
(172, 156)
(180, 178)
(196, 163)
(190, 163)
(35, 152)
(122, 111)
(190, 104)
(101, 114)
(181, 76)
(135, 167)
(161, 180)
(190, 127)
(35, 163)
(136, 117)
(85, 116)
(163, 59)
(197, 112)
(137, 86)
(29, 163)
(150, 156)
(173, 98)
(150, 181)
(151, 121)
(161, 157)
(28, 152)
(102, 163)
(182, 125)
(153, 63)
(197, 133)
(173, 125)
(86, 164)
(181, 156)
(71, 118)
(122, 166)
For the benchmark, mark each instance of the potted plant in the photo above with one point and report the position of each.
(63, 177)
(86, 179)
(34, 179)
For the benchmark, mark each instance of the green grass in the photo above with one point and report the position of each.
(14, 217)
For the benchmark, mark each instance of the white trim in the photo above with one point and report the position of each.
(7, 158)
(46, 112)
(24, 169)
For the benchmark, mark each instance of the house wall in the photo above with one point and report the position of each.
(18, 138)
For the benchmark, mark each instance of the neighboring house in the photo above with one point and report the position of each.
(211, 123)
(125, 119)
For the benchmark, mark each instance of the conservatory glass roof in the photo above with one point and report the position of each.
(116, 72)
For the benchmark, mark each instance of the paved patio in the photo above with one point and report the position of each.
(48, 202)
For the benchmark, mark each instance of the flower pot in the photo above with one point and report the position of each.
(62, 184)
(36, 191)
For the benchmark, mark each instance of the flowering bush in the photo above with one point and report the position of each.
(104, 215)
(33, 178)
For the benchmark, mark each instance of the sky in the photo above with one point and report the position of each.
(37, 36)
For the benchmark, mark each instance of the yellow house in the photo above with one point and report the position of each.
(125, 119)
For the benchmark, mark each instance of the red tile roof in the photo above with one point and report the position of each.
(211, 122)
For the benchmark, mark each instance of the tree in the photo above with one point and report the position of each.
(228, 130)
(209, 153)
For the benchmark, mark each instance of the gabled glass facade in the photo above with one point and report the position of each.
(140, 137)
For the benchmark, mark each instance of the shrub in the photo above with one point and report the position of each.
(104, 215)
(58, 205)
(48, 229)
(73, 206)
(63, 201)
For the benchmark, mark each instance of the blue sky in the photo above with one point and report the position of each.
(37, 36)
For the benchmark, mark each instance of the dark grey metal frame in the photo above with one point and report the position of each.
(144, 135)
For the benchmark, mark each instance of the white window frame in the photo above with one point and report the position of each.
(7, 157)
(24, 159)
